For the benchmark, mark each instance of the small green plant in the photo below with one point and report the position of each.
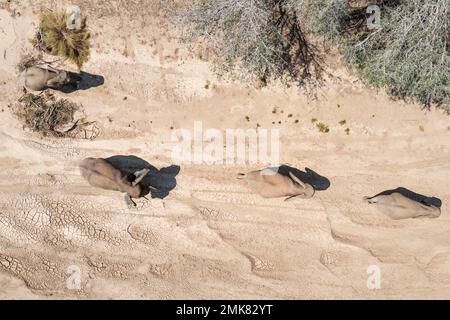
(313, 120)
(54, 37)
(347, 131)
(322, 127)
(342, 122)
(421, 128)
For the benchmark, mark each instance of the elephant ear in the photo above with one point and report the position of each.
(139, 176)
(297, 180)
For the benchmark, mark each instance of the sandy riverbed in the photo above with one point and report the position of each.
(210, 237)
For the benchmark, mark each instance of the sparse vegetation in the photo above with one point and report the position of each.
(256, 40)
(55, 38)
(45, 114)
(53, 117)
(342, 122)
(407, 53)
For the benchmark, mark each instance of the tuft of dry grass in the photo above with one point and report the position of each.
(54, 37)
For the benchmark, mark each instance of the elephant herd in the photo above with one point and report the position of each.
(268, 182)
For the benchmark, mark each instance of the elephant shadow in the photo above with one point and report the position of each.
(158, 182)
(82, 81)
(319, 183)
(428, 201)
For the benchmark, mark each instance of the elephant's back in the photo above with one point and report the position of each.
(34, 78)
(99, 173)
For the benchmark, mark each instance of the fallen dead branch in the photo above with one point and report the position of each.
(46, 114)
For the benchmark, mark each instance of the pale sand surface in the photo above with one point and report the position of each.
(212, 238)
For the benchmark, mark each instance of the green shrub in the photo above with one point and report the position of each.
(251, 39)
(407, 55)
(55, 38)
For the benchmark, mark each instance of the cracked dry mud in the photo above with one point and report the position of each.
(210, 237)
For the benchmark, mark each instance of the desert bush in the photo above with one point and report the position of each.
(407, 54)
(54, 37)
(252, 39)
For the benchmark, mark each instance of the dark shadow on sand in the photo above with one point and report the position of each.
(320, 183)
(429, 201)
(162, 179)
(83, 80)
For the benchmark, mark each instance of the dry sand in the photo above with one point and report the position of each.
(210, 237)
